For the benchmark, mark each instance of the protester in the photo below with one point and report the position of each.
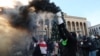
(43, 47)
(35, 47)
(68, 41)
(74, 49)
(98, 44)
(79, 46)
(50, 47)
(85, 46)
(92, 48)
(56, 49)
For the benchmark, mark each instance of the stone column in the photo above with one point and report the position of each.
(75, 27)
(83, 29)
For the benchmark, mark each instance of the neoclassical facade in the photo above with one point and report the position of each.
(73, 24)
(76, 24)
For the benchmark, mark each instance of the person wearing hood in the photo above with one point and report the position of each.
(68, 40)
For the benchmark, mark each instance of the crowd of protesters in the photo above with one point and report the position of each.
(69, 44)
(89, 46)
(85, 46)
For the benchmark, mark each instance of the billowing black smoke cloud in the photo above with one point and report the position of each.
(23, 19)
(45, 5)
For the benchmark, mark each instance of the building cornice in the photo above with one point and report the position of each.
(95, 26)
(76, 17)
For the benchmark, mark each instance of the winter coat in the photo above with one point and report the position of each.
(98, 43)
(70, 48)
(50, 46)
(93, 44)
(40, 49)
(37, 51)
(86, 43)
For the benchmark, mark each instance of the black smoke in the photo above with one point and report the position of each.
(23, 20)
(20, 20)
(44, 5)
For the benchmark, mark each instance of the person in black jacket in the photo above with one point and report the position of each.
(50, 47)
(93, 44)
(85, 45)
(98, 44)
(37, 51)
(69, 41)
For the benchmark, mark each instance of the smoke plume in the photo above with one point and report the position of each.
(44, 5)
(17, 22)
